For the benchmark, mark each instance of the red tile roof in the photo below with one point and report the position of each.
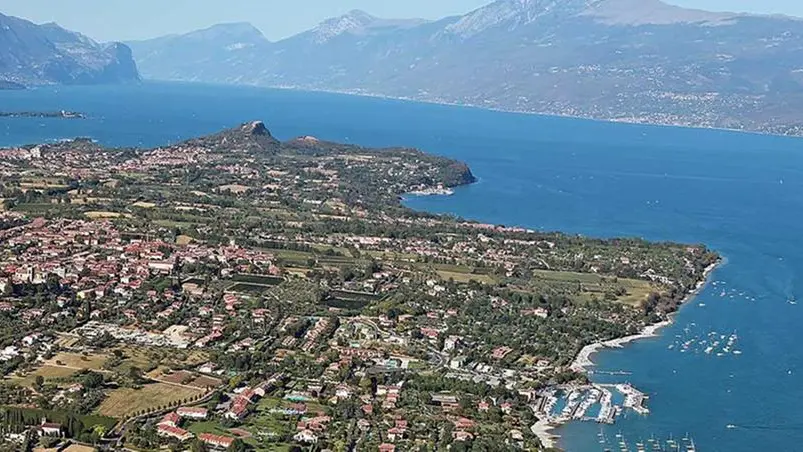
(216, 440)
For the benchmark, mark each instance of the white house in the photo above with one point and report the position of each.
(306, 436)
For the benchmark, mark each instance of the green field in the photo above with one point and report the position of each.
(49, 373)
(593, 284)
(463, 277)
(258, 279)
(126, 401)
(246, 288)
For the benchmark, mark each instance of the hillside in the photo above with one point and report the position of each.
(625, 60)
(33, 54)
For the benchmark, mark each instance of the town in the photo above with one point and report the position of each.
(234, 292)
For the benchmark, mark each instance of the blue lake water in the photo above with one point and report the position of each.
(739, 194)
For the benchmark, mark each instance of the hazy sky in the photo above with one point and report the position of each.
(136, 19)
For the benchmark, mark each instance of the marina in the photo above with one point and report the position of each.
(601, 403)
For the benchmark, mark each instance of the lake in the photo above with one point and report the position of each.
(740, 194)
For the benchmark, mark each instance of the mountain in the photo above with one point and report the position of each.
(251, 137)
(33, 54)
(624, 60)
(237, 48)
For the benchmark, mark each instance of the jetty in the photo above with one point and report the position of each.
(607, 414)
(634, 399)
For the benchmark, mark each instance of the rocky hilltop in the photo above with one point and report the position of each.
(33, 54)
(623, 60)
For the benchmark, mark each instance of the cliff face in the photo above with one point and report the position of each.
(33, 54)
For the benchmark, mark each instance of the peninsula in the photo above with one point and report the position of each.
(234, 291)
(42, 114)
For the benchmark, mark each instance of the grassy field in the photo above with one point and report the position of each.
(102, 215)
(295, 271)
(42, 183)
(49, 373)
(66, 340)
(391, 256)
(147, 357)
(248, 288)
(586, 278)
(597, 285)
(185, 378)
(78, 361)
(173, 224)
(62, 365)
(33, 208)
(125, 401)
(212, 427)
(216, 429)
(289, 254)
(637, 291)
(463, 277)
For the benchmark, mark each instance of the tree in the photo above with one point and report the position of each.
(198, 446)
(39, 382)
(238, 446)
(366, 383)
(135, 374)
(92, 380)
(48, 442)
(99, 430)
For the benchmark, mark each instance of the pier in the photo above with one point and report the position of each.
(634, 399)
(580, 399)
(607, 415)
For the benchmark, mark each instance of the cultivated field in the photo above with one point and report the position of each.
(126, 401)
(99, 215)
(49, 373)
(77, 361)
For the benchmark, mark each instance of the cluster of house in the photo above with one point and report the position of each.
(170, 427)
(310, 427)
(247, 396)
(166, 157)
(311, 337)
(463, 427)
(94, 259)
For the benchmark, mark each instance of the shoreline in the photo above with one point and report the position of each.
(583, 360)
(370, 95)
(542, 429)
(499, 109)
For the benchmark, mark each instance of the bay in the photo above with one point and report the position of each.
(740, 194)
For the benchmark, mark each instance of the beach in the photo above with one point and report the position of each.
(583, 361)
(542, 430)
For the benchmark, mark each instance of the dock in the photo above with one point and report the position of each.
(634, 399)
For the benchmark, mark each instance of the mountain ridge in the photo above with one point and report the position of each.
(33, 54)
(622, 60)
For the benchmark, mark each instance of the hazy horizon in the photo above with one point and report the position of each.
(125, 20)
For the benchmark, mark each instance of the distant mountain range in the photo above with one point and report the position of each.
(33, 54)
(625, 60)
